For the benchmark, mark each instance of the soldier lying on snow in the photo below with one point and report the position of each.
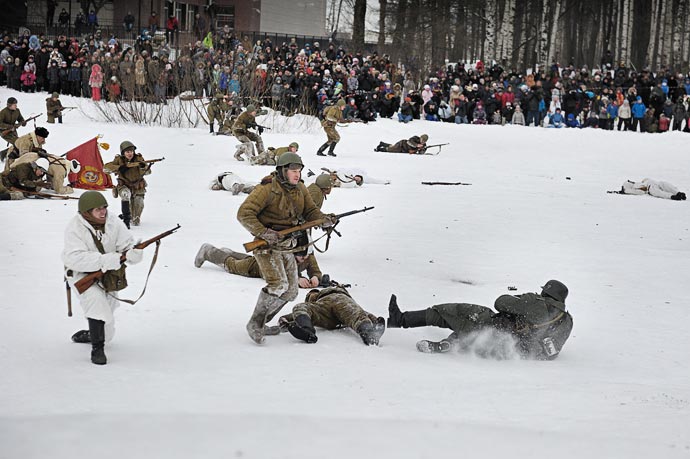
(656, 188)
(229, 181)
(331, 308)
(536, 325)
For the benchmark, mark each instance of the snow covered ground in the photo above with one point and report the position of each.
(183, 380)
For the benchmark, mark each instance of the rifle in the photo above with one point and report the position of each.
(260, 128)
(66, 108)
(147, 161)
(439, 145)
(44, 195)
(250, 246)
(87, 281)
(445, 183)
(23, 123)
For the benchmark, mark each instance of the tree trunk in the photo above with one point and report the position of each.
(360, 13)
(490, 35)
(400, 13)
(383, 8)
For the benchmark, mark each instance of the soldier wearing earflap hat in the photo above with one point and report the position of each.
(280, 201)
(30, 142)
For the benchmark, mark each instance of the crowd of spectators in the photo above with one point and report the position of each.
(306, 78)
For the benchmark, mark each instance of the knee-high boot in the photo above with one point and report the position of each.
(321, 150)
(408, 319)
(97, 333)
(126, 214)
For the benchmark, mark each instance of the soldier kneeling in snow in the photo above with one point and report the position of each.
(531, 325)
(332, 308)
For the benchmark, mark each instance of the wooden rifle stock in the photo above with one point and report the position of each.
(87, 281)
(14, 128)
(250, 246)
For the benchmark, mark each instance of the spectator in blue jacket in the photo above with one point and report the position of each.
(557, 120)
(572, 121)
(638, 111)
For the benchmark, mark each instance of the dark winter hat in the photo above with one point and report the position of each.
(91, 200)
(11, 101)
(556, 290)
(41, 132)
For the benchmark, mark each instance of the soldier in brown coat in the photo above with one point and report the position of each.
(240, 129)
(247, 266)
(320, 189)
(131, 186)
(10, 119)
(281, 201)
(24, 177)
(54, 108)
(270, 156)
(413, 145)
(57, 170)
(332, 308)
(331, 116)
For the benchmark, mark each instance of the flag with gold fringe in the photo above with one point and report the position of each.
(89, 175)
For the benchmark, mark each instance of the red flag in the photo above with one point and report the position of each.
(91, 175)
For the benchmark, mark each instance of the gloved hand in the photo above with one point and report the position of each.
(260, 129)
(23, 123)
(42, 153)
(122, 169)
(331, 220)
(271, 236)
(134, 256)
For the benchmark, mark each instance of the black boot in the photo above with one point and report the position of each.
(383, 146)
(322, 148)
(82, 336)
(302, 329)
(210, 128)
(3, 154)
(330, 150)
(409, 319)
(126, 215)
(97, 332)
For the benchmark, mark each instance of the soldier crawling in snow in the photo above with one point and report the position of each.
(270, 156)
(245, 265)
(414, 145)
(23, 177)
(332, 308)
(538, 323)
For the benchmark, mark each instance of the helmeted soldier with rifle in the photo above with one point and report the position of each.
(130, 168)
(279, 202)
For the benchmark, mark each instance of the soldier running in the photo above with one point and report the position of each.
(331, 116)
(279, 202)
(131, 186)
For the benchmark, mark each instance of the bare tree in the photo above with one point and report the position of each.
(383, 10)
(360, 12)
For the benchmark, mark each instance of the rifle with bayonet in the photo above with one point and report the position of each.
(87, 281)
(23, 123)
(250, 246)
(423, 151)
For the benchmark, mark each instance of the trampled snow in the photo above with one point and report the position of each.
(183, 379)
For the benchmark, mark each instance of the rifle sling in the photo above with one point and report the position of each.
(148, 275)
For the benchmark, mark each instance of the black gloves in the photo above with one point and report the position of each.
(260, 129)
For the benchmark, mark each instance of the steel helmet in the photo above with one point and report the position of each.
(323, 181)
(289, 158)
(423, 138)
(340, 103)
(126, 145)
(556, 290)
(294, 145)
(91, 200)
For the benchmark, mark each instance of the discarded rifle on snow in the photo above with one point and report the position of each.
(445, 183)
(250, 246)
(39, 194)
(87, 281)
